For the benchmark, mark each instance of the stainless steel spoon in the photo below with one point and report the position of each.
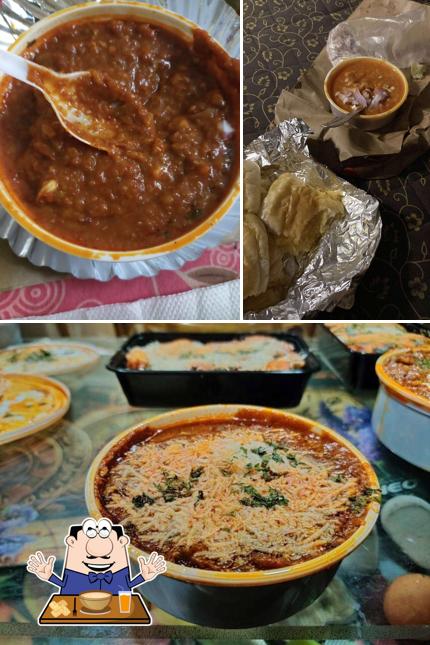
(344, 118)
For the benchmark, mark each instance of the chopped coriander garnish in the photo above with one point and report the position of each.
(424, 363)
(279, 447)
(140, 500)
(195, 213)
(174, 487)
(200, 496)
(259, 451)
(277, 457)
(338, 478)
(274, 498)
(34, 356)
(359, 502)
(196, 472)
(39, 355)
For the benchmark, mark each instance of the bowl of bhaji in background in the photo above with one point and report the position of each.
(172, 85)
(376, 85)
(401, 416)
(252, 508)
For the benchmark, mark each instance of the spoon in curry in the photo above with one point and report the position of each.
(63, 91)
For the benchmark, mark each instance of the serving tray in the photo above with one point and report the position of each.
(138, 614)
(223, 24)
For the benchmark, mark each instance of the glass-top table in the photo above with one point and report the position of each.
(42, 481)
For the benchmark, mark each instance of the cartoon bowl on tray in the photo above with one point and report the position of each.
(95, 601)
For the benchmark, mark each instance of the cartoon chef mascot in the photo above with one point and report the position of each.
(96, 559)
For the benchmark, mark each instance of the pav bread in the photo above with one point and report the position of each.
(251, 187)
(256, 260)
(299, 213)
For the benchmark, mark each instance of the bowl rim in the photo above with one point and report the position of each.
(93, 356)
(38, 425)
(366, 117)
(248, 578)
(400, 392)
(18, 210)
(93, 591)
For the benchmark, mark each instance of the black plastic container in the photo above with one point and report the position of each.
(237, 607)
(356, 369)
(187, 388)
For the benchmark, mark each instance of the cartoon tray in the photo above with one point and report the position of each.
(138, 614)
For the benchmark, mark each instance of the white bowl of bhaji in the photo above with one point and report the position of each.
(378, 86)
(253, 509)
(173, 89)
(401, 417)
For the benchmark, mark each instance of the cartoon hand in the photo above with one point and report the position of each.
(152, 567)
(39, 566)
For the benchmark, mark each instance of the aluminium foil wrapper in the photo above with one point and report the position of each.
(327, 276)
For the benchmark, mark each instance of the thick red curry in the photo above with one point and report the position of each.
(412, 370)
(251, 492)
(177, 101)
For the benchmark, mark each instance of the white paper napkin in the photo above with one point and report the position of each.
(219, 302)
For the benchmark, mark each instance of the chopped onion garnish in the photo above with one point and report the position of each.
(368, 98)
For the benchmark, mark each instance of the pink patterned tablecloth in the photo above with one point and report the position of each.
(213, 267)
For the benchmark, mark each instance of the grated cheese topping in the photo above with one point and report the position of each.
(237, 498)
(252, 352)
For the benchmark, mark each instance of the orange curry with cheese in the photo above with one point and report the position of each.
(245, 493)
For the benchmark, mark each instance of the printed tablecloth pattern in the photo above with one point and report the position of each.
(281, 40)
(213, 267)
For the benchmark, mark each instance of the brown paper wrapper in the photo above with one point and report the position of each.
(349, 149)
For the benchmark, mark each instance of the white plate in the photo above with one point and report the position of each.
(66, 358)
(34, 419)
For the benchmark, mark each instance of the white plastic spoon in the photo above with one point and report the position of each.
(61, 92)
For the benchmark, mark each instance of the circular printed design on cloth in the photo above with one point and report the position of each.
(37, 299)
(213, 267)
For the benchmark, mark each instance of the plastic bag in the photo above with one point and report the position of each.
(403, 40)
